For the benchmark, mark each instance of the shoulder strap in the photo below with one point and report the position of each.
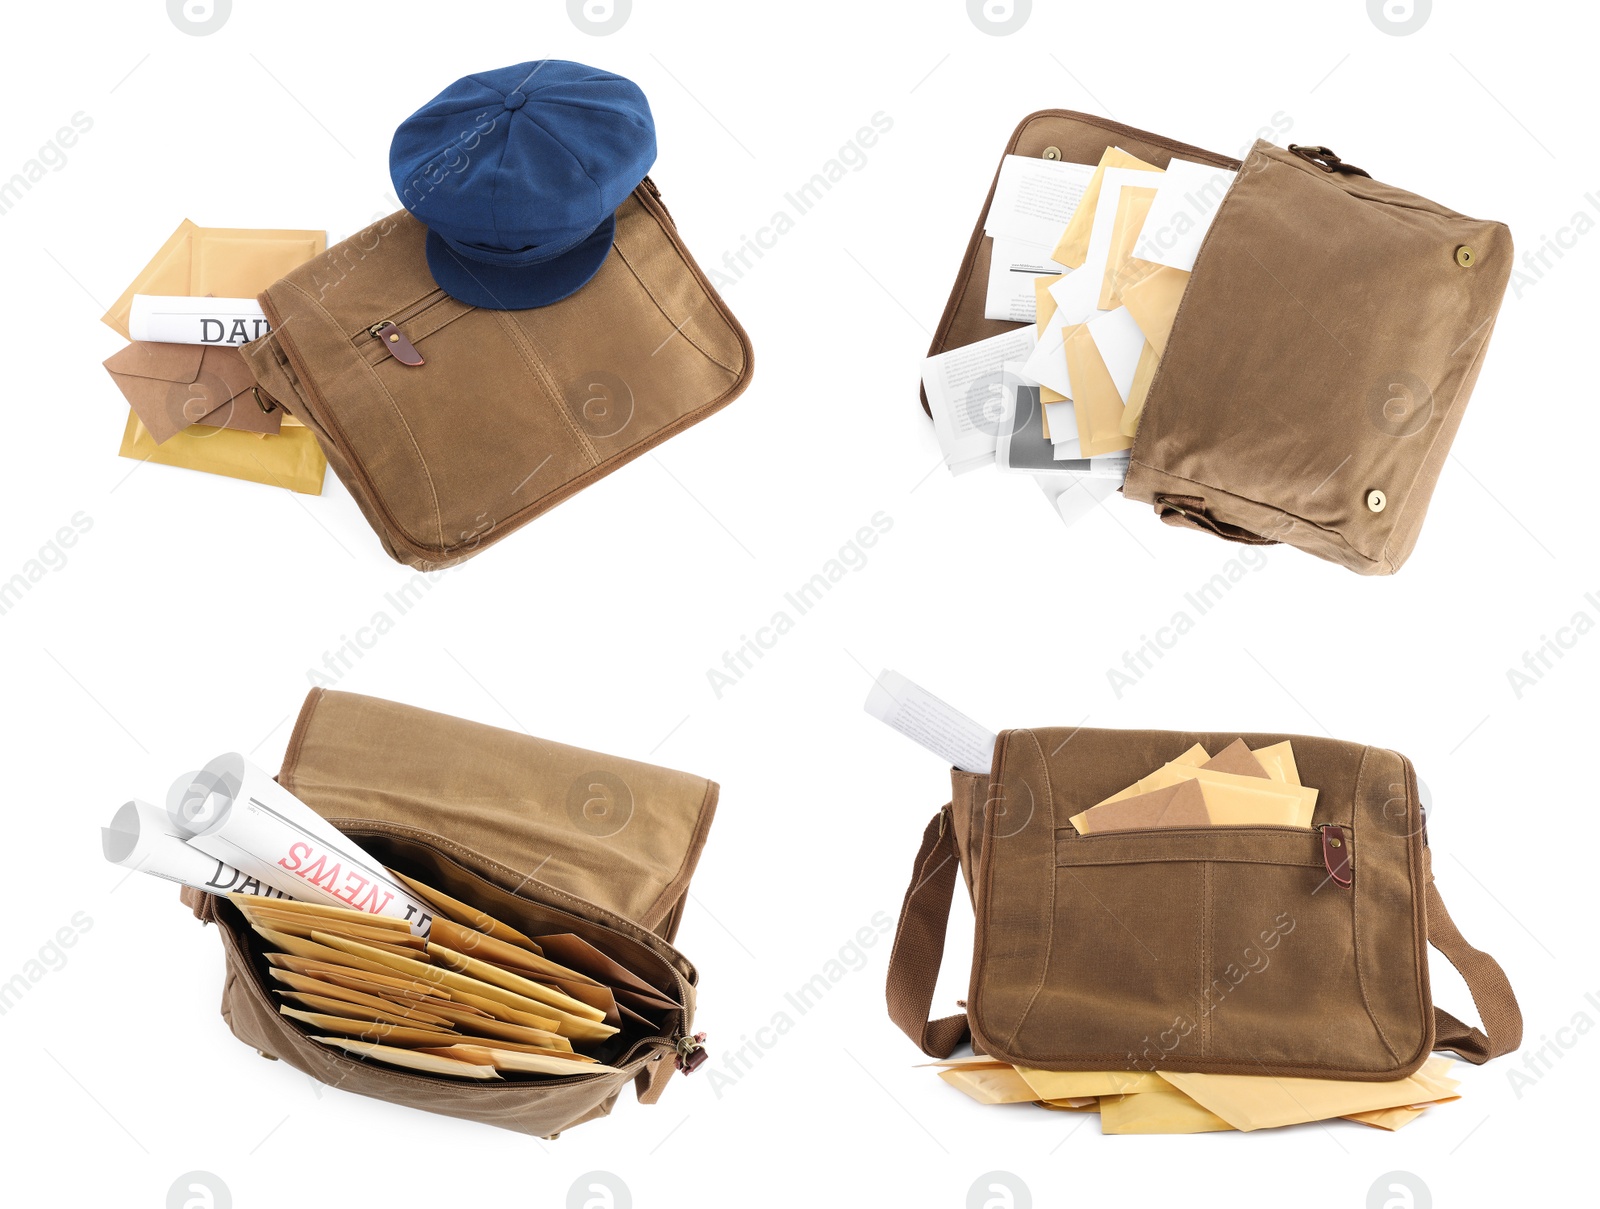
(919, 943)
(925, 915)
(1486, 981)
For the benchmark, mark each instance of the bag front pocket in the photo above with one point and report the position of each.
(1209, 949)
(1319, 363)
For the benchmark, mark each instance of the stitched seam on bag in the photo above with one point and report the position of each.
(1050, 941)
(1205, 955)
(675, 889)
(1188, 860)
(537, 367)
(679, 329)
(1355, 923)
(416, 448)
(981, 900)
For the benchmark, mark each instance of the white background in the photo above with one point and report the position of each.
(185, 621)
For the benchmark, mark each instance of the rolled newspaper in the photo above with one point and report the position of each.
(141, 836)
(235, 812)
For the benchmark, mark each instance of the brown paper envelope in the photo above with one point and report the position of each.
(1152, 300)
(1195, 756)
(409, 1009)
(172, 386)
(1235, 801)
(1081, 1104)
(223, 261)
(385, 983)
(292, 459)
(1073, 246)
(480, 944)
(1143, 375)
(457, 911)
(331, 1006)
(299, 946)
(325, 911)
(496, 976)
(1178, 805)
(1133, 204)
(1159, 1108)
(1002, 1086)
(1094, 395)
(565, 1050)
(522, 1062)
(1064, 1084)
(1238, 759)
(413, 1059)
(1278, 760)
(1387, 1118)
(580, 955)
(367, 1030)
(579, 1026)
(1261, 1102)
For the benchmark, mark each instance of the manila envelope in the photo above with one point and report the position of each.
(328, 1005)
(413, 1059)
(1143, 375)
(1258, 1102)
(1046, 304)
(227, 262)
(1072, 249)
(520, 1060)
(990, 1086)
(1238, 801)
(1278, 760)
(292, 459)
(1133, 204)
(172, 386)
(580, 955)
(558, 1001)
(1094, 395)
(318, 988)
(1066, 1084)
(367, 1030)
(458, 911)
(1159, 1108)
(1153, 301)
(1179, 805)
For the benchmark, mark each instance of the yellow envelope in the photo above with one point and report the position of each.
(1260, 1102)
(1152, 299)
(413, 1059)
(1133, 205)
(1160, 1108)
(1068, 1084)
(1073, 247)
(1094, 395)
(1278, 760)
(1234, 800)
(1044, 300)
(226, 262)
(292, 459)
(1143, 375)
(1001, 1085)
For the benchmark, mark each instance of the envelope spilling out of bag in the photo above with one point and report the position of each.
(1238, 787)
(193, 406)
(1176, 1102)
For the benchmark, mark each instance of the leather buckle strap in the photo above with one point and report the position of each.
(919, 943)
(1324, 158)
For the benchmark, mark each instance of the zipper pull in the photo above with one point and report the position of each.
(395, 341)
(690, 1053)
(1336, 853)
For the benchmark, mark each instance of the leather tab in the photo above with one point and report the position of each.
(1324, 158)
(400, 348)
(1336, 853)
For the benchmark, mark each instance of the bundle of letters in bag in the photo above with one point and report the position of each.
(375, 963)
(1093, 259)
(1237, 787)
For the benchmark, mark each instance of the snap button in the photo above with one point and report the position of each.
(515, 100)
(1465, 256)
(1376, 500)
(1052, 153)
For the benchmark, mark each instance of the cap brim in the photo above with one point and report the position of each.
(518, 288)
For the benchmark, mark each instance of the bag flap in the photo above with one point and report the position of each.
(1079, 138)
(506, 413)
(1124, 950)
(618, 833)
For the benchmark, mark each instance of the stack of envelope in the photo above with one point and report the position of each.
(1173, 1102)
(475, 999)
(1094, 260)
(1236, 788)
(193, 405)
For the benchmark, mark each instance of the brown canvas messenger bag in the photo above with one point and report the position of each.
(452, 425)
(1227, 949)
(509, 824)
(1322, 355)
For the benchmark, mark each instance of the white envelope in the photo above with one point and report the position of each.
(1120, 341)
(1185, 203)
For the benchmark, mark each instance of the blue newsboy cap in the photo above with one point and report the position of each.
(517, 174)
